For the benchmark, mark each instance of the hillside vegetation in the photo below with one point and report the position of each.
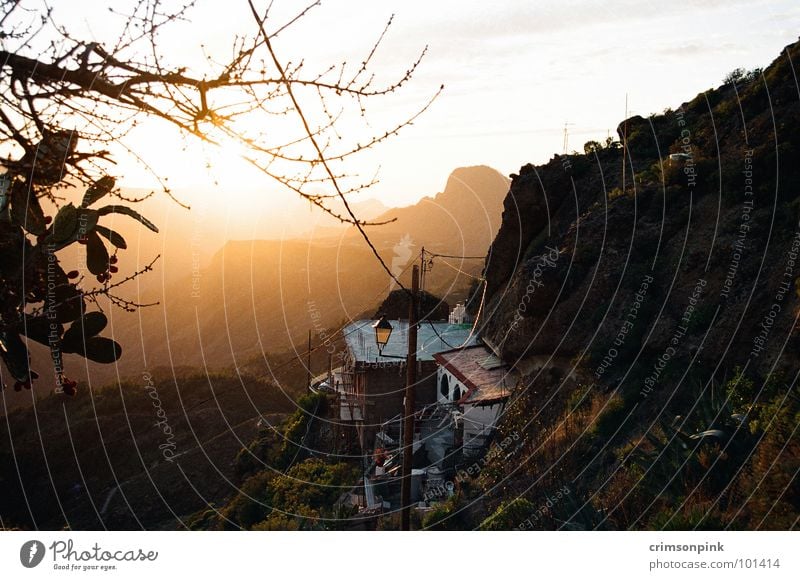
(674, 299)
(143, 454)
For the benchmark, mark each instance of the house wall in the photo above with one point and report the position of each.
(384, 385)
(383, 390)
(455, 388)
(478, 420)
(425, 393)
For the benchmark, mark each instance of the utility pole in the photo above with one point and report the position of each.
(308, 360)
(423, 269)
(624, 141)
(426, 265)
(566, 137)
(408, 410)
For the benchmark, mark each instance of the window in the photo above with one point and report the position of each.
(444, 387)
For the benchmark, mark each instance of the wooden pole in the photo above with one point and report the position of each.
(408, 410)
(424, 268)
(308, 361)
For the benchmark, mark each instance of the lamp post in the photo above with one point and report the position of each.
(383, 330)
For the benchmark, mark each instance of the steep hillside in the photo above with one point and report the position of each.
(632, 310)
(726, 215)
(143, 455)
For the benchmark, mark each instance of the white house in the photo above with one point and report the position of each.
(459, 314)
(477, 383)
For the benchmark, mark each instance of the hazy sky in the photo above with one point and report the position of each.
(514, 72)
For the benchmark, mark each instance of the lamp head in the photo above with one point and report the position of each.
(383, 330)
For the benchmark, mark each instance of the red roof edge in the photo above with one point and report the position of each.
(471, 387)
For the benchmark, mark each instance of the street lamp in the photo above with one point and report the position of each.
(383, 330)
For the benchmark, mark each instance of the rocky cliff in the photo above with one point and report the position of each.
(710, 199)
(653, 314)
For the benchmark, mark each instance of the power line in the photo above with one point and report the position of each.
(460, 271)
(477, 314)
(427, 264)
(435, 255)
(474, 323)
(436, 332)
(298, 357)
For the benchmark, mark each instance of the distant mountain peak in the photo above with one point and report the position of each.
(476, 181)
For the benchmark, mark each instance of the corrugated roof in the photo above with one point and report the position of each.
(484, 384)
(432, 337)
(491, 362)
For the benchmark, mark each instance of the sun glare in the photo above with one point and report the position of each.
(228, 157)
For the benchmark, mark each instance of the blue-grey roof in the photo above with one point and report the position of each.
(360, 337)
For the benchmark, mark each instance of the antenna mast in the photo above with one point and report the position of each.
(566, 137)
(624, 141)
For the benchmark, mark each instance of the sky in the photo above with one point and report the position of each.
(515, 72)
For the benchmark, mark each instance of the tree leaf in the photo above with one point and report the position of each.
(94, 323)
(69, 304)
(84, 328)
(38, 328)
(65, 224)
(97, 190)
(15, 355)
(81, 221)
(72, 341)
(129, 212)
(87, 220)
(101, 349)
(111, 236)
(96, 254)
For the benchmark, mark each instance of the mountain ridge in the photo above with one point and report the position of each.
(252, 299)
(655, 321)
